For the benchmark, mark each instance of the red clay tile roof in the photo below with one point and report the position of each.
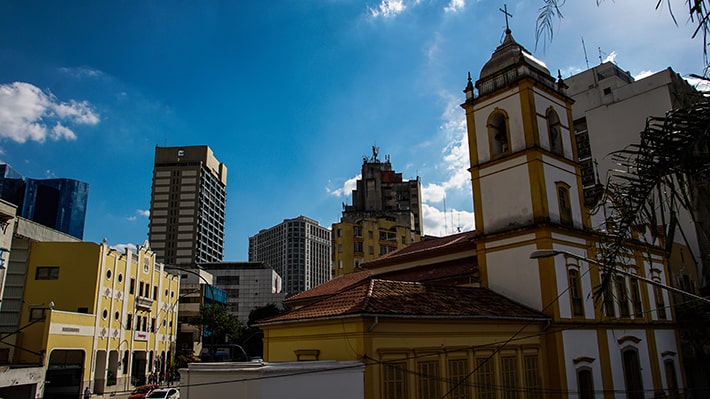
(441, 271)
(428, 245)
(330, 287)
(402, 299)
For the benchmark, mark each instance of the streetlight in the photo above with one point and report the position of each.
(549, 253)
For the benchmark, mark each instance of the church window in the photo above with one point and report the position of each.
(660, 302)
(485, 379)
(564, 203)
(532, 377)
(575, 292)
(636, 297)
(458, 372)
(509, 370)
(554, 129)
(608, 298)
(498, 133)
(671, 378)
(622, 295)
(632, 374)
(428, 381)
(395, 380)
(585, 383)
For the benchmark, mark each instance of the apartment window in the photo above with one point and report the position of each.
(509, 369)
(155, 293)
(152, 325)
(632, 374)
(47, 273)
(485, 379)
(140, 288)
(357, 231)
(394, 380)
(132, 286)
(585, 384)
(357, 246)
(428, 380)
(532, 376)
(458, 372)
(660, 302)
(498, 133)
(129, 321)
(575, 292)
(564, 204)
(138, 323)
(622, 295)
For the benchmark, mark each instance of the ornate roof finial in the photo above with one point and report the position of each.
(504, 10)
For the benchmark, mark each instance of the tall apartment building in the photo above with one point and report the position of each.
(298, 249)
(56, 203)
(187, 205)
(385, 215)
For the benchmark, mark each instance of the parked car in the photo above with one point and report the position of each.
(167, 393)
(141, 391)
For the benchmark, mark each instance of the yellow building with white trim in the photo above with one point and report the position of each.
(97, 317)
(527, 196)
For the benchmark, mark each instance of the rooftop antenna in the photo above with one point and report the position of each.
(585, 53)
(600, 55)
(446, 224)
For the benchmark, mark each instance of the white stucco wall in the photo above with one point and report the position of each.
(257, 380)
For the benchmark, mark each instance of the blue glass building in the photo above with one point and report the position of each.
(56, 203)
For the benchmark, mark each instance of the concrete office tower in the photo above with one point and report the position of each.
(187, 205)
(298, 249)
(386, 214)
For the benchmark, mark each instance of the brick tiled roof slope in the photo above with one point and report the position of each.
(452, 272)
(428, 247)
(329, 287)
(376, 297)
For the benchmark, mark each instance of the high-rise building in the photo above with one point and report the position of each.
(298, 249)
(385, 215)
(187, 205)
(381, 192)
(56, 203)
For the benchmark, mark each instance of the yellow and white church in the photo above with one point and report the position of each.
(472, 315)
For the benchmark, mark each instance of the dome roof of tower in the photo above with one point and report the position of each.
(509, 54)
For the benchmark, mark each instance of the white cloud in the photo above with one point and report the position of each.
(388, 8)
(347, 188)
(455, 6)
(433, 193)
(142, 213)
(440, 223)
(28, 113)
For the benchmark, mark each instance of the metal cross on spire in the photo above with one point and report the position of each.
(504, 10)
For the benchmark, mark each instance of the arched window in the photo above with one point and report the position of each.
(671, 378)
(498, 133)
(554, 129)
(585, 383)
(564, 204)
(632, 373)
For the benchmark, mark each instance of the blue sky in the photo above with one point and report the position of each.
(290, 95)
